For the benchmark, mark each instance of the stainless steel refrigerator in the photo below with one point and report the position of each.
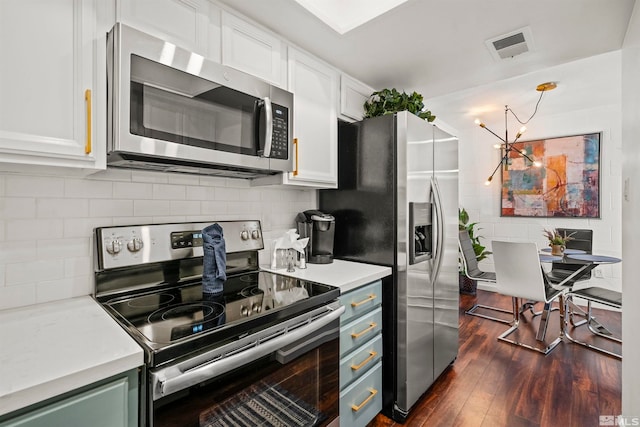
(397, 205)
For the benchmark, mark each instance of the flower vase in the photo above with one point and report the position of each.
(557, 250)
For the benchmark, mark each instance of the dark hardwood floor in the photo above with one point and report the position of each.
(494, 384)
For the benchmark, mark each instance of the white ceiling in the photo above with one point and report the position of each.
(438, 49)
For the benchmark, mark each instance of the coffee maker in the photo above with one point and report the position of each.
(319, 228)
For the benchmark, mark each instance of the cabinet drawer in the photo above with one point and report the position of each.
(362, 400)
(360, 331)
(360, 361)
(361, 300)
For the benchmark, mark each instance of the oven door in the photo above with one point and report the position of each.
(285, 375)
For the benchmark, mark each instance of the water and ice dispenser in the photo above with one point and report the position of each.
(420, 229)
(320, 229)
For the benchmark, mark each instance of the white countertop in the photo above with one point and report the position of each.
(346, 275)
(52, 348)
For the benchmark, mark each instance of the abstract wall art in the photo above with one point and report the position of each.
(567, 184)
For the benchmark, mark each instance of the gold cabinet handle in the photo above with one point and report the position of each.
(372, 325)
(295, 142)
(356, 408)
(369, 298)
(87, 98)
(372, 354)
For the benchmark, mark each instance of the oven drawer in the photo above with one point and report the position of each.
(362, 400)
(358, 363)
(361, 300)
(360, 331)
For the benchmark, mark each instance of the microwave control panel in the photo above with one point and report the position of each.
(280, 135)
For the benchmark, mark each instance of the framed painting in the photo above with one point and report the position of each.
(566, 185)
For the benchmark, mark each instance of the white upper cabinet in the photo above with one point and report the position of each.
(248, 48)
(49, 93)
(353, 95)
(315, 121)
(182, 22)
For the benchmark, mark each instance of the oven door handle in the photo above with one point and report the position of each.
(174, 379)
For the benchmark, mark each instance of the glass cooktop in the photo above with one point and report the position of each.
(172, 315)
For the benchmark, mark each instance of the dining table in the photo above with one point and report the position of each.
(587, 262)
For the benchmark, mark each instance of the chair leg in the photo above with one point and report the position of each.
(516, 323)
(472, 312)
(597, 329)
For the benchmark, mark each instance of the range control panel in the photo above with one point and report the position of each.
(124, 246)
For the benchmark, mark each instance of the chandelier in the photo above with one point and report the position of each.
(509, 147)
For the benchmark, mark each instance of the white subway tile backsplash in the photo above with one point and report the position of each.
(33, 271)
(17, 251)
(33, 229)
(62, 248)
(17, 207)
(151, 207)
(80, 266)
(183, 207)
(132, 190)
(34, 186)
(83, 188)
(110, 208)
(17, 296)
(62, 208)
(169, 192)
(47, 223)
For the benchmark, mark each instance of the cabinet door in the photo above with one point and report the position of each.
(47, 86)
(353, 95)
(183, 22)
(315, 124)
(104, 406)
(247, 48)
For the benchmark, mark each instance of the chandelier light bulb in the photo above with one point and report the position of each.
(479, 123)
(498, 146)
(488, 181)
(537, 164)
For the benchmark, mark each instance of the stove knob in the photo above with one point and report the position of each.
(255, 234)
(114, 247)
(244, 310)
(134, 245)
(244, 235)
(257, 308)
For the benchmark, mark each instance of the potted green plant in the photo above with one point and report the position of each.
(389, 101)
(557, 241)
(467, 285)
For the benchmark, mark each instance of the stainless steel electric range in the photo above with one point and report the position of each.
(265, 351)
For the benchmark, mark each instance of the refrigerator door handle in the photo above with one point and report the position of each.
(439, 234)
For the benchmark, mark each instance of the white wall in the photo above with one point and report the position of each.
(630, 215)
(478, 159)
(47, 222)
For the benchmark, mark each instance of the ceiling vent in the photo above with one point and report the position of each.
(511, 44)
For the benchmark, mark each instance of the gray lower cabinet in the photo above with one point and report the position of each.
(361, 355)
(109, 403)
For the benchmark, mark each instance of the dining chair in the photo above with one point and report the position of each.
(603, 296)
(519, 274)
(473, 272)
(582, 240)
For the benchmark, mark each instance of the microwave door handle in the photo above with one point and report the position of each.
(268, 132)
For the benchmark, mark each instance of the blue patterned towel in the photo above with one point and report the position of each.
(215, 260)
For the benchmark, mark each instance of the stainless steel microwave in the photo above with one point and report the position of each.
(173, 110)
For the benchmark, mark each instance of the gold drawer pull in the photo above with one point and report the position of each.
(87, 98)
(369, 298)
(373, 392)
(372, 354)
(372, 325)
